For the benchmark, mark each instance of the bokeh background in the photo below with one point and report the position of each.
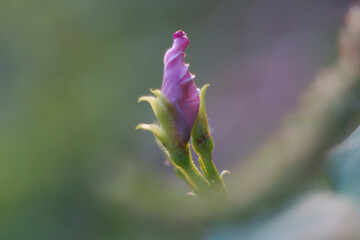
(72, 165)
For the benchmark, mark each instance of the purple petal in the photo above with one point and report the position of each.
(179, 87)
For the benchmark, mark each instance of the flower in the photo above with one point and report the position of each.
(179, 87)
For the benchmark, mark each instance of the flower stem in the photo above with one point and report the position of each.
(182, 160)
(196, 180)
(211, 173)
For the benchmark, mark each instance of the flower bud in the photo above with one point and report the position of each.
(177, 104)
(179, 87)
(176, 107)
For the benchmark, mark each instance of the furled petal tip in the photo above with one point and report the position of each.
(179, 87)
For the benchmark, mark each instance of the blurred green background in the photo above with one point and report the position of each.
(72, 165)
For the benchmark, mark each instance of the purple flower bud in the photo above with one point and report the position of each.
(179, 87)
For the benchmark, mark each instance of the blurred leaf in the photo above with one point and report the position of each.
(344, 166)
(319, 216)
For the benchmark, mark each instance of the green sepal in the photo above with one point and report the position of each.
(202, 141)
(165, 112)
(203, 145)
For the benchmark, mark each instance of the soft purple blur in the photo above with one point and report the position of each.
(179, 87)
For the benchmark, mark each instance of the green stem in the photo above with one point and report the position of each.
(182, 160)
(196, 180)
(211, 173)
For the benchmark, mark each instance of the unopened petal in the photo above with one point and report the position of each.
(179, 87)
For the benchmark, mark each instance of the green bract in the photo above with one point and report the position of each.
(165, 113)
(203, 145)
(202, 141)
